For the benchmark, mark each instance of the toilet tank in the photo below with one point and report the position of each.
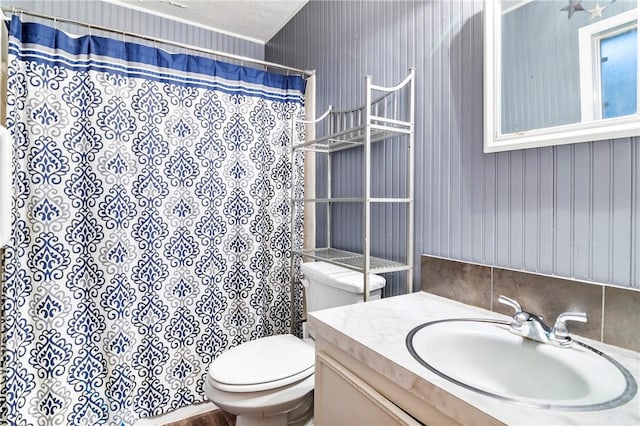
(332, 285)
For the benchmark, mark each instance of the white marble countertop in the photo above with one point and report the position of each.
(374, 333)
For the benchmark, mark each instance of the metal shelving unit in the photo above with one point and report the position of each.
(381, 118)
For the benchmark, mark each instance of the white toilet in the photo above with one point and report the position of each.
(269, 381)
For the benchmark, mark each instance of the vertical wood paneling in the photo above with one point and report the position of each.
(602, 209)
(621, 237)
(571, 211)
(455, 119)
(582, 211)
(465, 121)
(635, 212)
(563, 220)
(531, 208)
(502, 213)
(516, 208)
(544, 243)
(443, 132)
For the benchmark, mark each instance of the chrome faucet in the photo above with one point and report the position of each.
(532, 326)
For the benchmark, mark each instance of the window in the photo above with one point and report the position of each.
(618, 73)
(609, 67)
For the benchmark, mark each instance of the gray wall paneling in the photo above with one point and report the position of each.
(569, 211)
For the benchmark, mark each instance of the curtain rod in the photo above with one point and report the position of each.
(242, 59)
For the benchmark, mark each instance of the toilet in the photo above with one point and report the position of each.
(269, 381)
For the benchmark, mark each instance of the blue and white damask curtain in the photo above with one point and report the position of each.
(151, 224)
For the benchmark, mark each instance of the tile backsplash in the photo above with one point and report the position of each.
(465, 282)
(622, 317)
(480, 285)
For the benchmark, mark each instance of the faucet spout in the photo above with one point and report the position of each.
(531, 326)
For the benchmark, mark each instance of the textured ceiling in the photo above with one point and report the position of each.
(255, 20)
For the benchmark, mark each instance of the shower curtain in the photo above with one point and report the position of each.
(151, 226)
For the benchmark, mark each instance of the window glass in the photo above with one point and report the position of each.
(618, 73)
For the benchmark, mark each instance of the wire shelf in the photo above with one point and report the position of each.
(389, 117)
(355, 137)
(353, 260)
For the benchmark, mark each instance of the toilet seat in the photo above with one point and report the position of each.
(263, 403)
(262, 364)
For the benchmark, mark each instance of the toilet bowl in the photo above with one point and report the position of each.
(269, 381)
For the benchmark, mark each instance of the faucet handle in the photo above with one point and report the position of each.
(559, 333)
(510, 302)
(519, 315)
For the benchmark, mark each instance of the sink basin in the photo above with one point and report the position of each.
(484, 356)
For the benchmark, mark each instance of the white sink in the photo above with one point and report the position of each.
(485, 357)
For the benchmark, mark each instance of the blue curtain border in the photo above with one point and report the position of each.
(50, 38)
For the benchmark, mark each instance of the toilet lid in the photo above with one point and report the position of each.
(263, 364)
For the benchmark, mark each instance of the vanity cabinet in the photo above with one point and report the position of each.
(365, 373)
(349, 393)
(342, 398)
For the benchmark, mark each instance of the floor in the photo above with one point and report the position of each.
(203, 414)
(216, 417)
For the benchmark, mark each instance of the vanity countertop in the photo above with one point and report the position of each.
(374, 333)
